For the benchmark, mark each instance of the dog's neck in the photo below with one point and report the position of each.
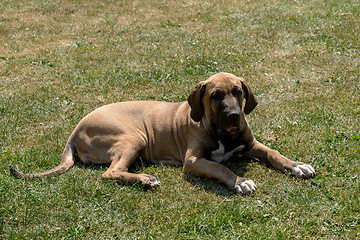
(242, 137)
(230, 141)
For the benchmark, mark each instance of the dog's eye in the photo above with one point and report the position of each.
(237, 91)
(216, 94)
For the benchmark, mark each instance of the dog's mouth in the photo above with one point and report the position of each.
(229, 126)
(232, 129)
(229, 131)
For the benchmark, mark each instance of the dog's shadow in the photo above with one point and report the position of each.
(238, 165)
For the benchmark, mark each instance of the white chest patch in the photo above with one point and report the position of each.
(219, 155)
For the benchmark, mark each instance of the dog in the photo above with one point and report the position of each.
(197, 134)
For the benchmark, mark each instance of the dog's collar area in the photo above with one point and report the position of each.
(221, 155)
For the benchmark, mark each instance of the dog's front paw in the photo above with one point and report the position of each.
(302, 170)
(244, 186)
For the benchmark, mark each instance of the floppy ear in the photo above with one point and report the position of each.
(195, 102)
(251, 100)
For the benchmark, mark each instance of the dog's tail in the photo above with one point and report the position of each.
(67, 161)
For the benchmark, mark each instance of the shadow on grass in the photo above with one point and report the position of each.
(138, 166)
(238, 165)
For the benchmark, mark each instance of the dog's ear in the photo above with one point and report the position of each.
(195, 102)
(251, 100)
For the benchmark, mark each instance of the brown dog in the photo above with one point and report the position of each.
(198, 134)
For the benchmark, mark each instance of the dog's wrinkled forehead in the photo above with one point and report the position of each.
(223, 81)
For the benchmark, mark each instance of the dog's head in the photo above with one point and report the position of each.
(219, 100)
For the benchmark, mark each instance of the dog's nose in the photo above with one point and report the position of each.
(234, 117)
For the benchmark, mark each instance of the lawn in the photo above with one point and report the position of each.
(59, 60)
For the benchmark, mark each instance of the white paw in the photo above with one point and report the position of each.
(155, 183)
(150, 181)
(245, 187)
(302, 170)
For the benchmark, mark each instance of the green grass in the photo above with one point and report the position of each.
(59, 60)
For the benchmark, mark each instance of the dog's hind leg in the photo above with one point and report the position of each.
(125, 155)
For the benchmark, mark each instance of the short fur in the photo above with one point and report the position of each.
(183, 134)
